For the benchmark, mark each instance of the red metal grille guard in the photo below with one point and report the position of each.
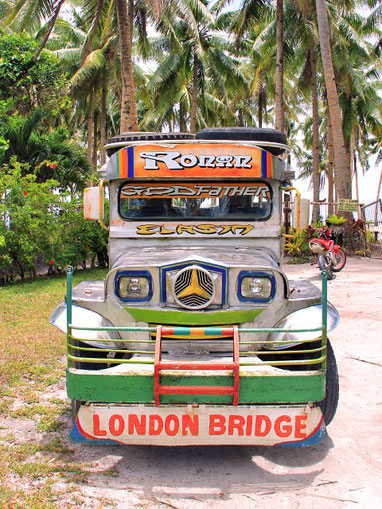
(160, 365)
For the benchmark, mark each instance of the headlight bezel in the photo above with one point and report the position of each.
(255, 275)
(133, 274)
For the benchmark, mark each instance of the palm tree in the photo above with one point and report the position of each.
(342, 173)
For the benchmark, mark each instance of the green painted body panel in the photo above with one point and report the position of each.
(139, 388)
(166, 317)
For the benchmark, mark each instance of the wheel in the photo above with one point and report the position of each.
(118, 141)
(329, 404)
(75, 407)
(245, 134)
(325, 267)
(97, 354)
(338, 260)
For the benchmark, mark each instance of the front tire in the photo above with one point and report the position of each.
(338, 260)
(325, 267)
(329, 404)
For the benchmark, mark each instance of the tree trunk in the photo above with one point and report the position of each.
(279, 120)
(51, 24)
(331, 209)
(103, 126)
(316, 142)
(95, 140)
(129, 115)
(194, 94)
(182, 124)
(377, 199)
(260, 109)
(88, 44)
(341, 171)
(90, 128)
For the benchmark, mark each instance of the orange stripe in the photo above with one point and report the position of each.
(269, 165)
(123, 163)
(197, 331)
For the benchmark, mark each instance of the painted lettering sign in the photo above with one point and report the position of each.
(191, 190)
(201, 425)
(193, 229)
(194, 160)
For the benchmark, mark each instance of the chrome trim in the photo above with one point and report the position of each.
(310, 317)
(84, 317)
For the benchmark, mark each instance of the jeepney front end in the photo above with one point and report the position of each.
(196, 336)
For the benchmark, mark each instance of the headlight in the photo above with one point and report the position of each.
(256, 286)
(134, 285)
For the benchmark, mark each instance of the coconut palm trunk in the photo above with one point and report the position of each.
(279, 120)
(93, 29)
(194, 94)
(51, 23)
(103, 126)
(341, 170)
(316, 143)
(129, 116)
(331, 199)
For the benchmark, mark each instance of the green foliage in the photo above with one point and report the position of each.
(36, 219)
(335, 220)
(29, 83)
(370, 237)
(298, 247)
(48, 154)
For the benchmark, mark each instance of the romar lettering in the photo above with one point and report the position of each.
(176, 161)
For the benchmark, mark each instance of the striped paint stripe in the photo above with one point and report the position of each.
(269, 165)
(130, 162)
(264, 164)
(197, 331)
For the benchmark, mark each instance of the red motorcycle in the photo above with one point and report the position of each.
(331, 257)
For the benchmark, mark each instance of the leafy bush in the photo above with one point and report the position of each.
(335, 220)
(37, 219)
(298, 247)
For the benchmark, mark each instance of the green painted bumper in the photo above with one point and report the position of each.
(283, 388)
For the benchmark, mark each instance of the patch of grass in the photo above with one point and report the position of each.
(29, 344)
(47, 414)
(33, 462)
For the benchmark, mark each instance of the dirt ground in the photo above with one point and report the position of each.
(343, 471)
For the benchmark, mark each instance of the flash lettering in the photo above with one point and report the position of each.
(147, 229)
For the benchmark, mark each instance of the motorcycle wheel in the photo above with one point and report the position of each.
(325, 267)
(338, 260)
(329, 404)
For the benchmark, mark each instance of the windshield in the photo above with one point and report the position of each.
(251, 201)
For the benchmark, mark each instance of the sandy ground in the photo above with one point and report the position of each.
(343, 471)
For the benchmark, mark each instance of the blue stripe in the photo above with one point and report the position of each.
(130, 162)
(263, 164)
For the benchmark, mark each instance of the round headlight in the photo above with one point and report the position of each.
(256, 287)
(133, 287)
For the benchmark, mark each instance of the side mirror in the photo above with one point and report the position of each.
(94, 199)
(93, 203)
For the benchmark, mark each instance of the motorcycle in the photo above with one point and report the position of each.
(330, 257)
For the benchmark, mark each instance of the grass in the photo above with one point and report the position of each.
(41, 475)
(29, 345)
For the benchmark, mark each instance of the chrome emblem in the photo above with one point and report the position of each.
(194, 288)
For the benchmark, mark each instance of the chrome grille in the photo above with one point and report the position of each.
(194, 288)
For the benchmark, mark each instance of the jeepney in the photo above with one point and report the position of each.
(196, 336)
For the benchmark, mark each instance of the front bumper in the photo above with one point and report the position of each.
(199, 425)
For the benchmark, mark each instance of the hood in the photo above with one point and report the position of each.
(230, 257)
